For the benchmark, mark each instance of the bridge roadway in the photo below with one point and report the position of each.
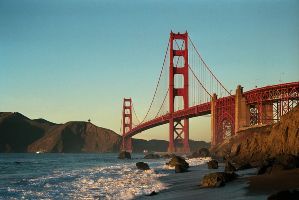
(264, 94)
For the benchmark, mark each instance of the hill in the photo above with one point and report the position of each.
(21, 134)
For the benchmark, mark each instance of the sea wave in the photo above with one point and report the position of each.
(117, 181)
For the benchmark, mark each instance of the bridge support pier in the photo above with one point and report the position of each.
(127, 144)
(171, 147)
(267, 113)
(126, 125)
(242, 114)
(213, 120)
(178, 130)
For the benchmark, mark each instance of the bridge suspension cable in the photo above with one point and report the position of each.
(159, 89)
(202, 84)
(207, 67)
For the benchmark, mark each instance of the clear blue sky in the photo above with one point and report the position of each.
(66, 60)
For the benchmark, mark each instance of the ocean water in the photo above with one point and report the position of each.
(79, 176)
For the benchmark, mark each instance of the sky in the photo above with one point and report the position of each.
(72, 60)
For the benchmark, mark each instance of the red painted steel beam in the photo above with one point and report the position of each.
(199, 110)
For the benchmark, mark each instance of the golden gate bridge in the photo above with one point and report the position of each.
(187, 88)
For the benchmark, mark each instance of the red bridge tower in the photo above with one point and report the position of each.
(178, 129)
(127, 124)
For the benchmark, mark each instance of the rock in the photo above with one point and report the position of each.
(124, 155)
(151, 156)
(177, 160)
(243, 166)
(152, 193)
(180, 169)
(213, 164)
(203, 152)
(285, 195)
(265, 166)
(288, 161)
(281, 162)
(217, 179)
(229, 167)
(142, 166)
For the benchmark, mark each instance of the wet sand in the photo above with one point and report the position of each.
(247, 186)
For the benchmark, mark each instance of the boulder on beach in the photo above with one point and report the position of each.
(286, 194)
(288, 161)
(180, 169)
(203, 152)
(229, 167)
(243, 166)
(142, 166)
(217, 179)
(278, 163)
(151, 156)
(124, 155)
(213, 164)
(153, 193)
(179, 163)
(177, 160)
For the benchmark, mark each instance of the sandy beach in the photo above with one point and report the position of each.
(246, 186)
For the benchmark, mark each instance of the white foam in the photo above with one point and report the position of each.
(120, 181)
(198, 161)
(129, 183)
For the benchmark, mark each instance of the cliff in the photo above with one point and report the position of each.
(257, 143)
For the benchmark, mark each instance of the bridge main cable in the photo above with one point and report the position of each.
(156, 89)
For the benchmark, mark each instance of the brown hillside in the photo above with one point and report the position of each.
(18, 131)
(21, 134)
(77, 137)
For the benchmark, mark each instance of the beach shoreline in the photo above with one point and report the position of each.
(247, 186)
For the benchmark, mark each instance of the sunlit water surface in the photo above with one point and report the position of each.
(79, 176)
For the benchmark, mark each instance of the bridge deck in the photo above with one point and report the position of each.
(194, 111)
(286, 91)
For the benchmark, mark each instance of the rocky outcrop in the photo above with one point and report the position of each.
(180, 169)
(259, 143)
(217, 179)
(212, 164)
(124, 155)
(179, 163)
(153, 193)
(229, 167)
(142, 166)
(202, 152)
(280, 162)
